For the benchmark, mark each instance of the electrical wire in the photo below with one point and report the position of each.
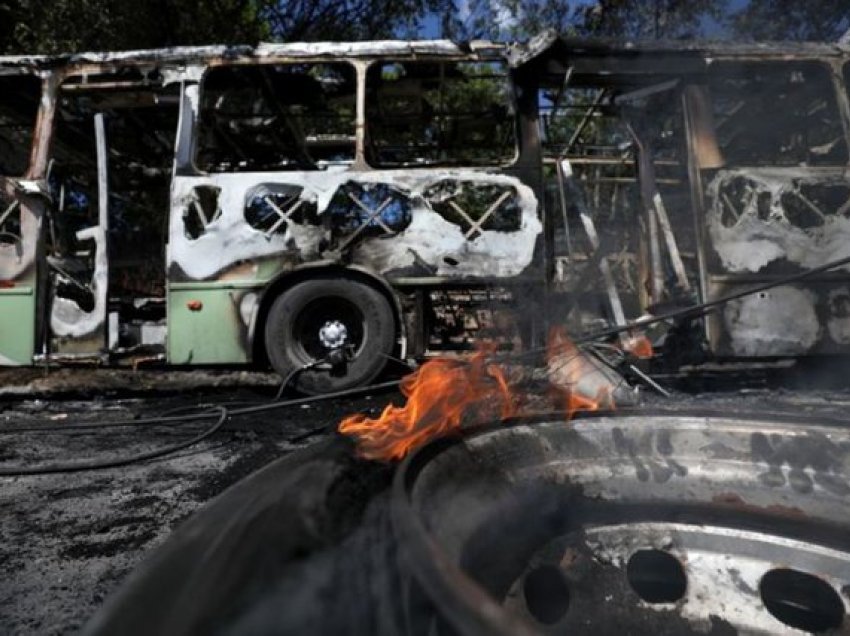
(690, 312)
(208, 412)
(72, 467)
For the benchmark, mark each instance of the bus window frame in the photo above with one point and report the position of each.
(36, 130)
(195, 123)
(513, 162)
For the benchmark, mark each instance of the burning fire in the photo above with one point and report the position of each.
(444, 394)
(638, 345)
(439, 396)
(578, 382)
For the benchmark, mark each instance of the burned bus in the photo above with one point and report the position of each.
(325, 207)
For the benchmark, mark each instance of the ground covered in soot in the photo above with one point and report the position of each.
(68, 540)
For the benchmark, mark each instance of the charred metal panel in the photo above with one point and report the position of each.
(758, 217)
(384, 221)
(770, 221)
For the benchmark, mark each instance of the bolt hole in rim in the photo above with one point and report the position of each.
(615, 529)
(656, 576)
(801, 600)
(547, 594)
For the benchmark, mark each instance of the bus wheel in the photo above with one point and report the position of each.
(342, 328)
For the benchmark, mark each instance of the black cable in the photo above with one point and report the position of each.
(226, 414)
(71, 467)
(692, 311)
(291, 376)
(699, 310)
(167, 417)
(160, 419)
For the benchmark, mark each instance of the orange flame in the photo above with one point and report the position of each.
(439, 394)
(577, 382)
(444, 394)
(638, 345)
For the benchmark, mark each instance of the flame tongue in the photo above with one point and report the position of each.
(439, 396)
(444, 394)
(579, 382)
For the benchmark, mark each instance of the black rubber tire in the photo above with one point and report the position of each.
(288, 340)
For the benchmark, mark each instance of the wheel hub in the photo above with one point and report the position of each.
(333, 334)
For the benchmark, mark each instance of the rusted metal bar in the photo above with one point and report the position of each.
(646, 177)
(585, 120)
(610, 288)
(559, 169)
(670, 240)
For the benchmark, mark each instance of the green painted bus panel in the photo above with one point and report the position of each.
(17, 326)
(205, 327)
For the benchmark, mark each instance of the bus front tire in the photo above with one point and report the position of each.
(294, 337)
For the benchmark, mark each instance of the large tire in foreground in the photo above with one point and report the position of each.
(293, 327)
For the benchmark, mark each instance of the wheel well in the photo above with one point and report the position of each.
(289, 280)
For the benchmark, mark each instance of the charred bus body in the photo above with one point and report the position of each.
(332, 205)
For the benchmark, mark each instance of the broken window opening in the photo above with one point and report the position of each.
(20, 96)
(202, 210)
(772, 114)
(277, 117)
(10, 223)
(359, 211)
(272, 208)
(439, 113)
(476, 207)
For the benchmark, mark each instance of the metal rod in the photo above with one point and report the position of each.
(588, 115)
(649, 381)
(701, 309)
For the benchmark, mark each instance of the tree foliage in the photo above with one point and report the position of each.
(35, 26)
(818, 20)
(82, 25)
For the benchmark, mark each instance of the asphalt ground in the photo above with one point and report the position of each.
(67, 540)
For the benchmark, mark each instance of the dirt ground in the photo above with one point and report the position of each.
(67, 540)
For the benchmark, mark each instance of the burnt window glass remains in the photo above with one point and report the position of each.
(476, 207)
(771, 114)
(271, 208)
(439, 113)
(277, 117)
(361, 210)
(20, 96)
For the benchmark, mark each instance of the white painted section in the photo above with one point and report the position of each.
(752, 243)
(248, 307)
(778, 321)
(429, 237)
(8, 362)
(182, 54)
(838, 323)
(153, 334)
(17, 256)
(67, 319)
